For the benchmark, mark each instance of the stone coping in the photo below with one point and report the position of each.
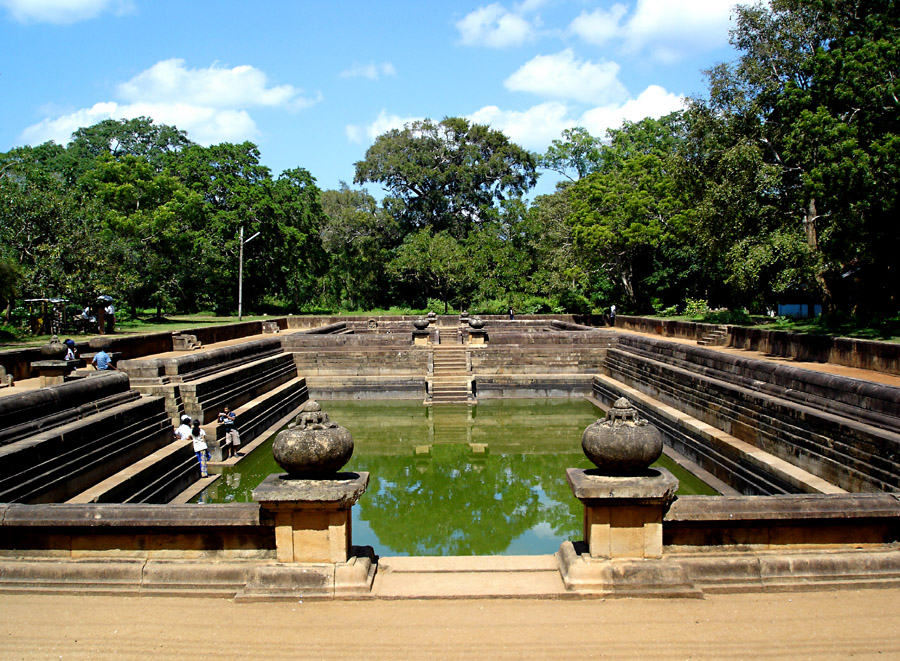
(652, 484)
(802, 507)
(343, 490)
(99, 515)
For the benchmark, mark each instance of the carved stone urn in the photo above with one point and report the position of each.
(421, 323)
(312, 446)
(623, 443)
(476, 322)
(53, 350)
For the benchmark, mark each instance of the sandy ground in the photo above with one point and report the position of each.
(861, 624)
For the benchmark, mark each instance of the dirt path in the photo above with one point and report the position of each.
(818, 625)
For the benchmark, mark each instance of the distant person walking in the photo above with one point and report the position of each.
(232, 438)
(102, 361)
(198, 436)
(512, 313)
(612, 315)
(111, 318)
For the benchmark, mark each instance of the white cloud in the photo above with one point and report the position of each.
(372, 71)
(562, 76)
(204, 125)
(667, 29)
(62, 11)
(169, 81)
(537, 126)
(382, 124)
(652, 102)
(533, 128)
(600, 26)
(495, 27)
(210, 104)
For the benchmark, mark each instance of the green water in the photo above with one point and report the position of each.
(483, 480)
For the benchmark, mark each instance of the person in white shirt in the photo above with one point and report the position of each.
(198, 436)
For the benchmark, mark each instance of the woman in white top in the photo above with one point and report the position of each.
(198, 436)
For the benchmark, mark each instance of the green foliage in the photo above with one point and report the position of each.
(732, 317)
(695, 307)
(447, 176)
(577, 155)
(8, 333)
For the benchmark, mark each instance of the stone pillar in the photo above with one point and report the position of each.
(312, 517)
(477, 336)
(53, 372)
(624, 504)
(310, 506)
(623, 515)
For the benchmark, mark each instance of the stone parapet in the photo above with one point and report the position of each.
(836, 442)
(29, 412)
(59, 463)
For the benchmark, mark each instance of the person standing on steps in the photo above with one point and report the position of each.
(198, 436)
(232, 438)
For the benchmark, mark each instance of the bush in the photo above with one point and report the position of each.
(732, 317)
(695, 307)
(8, 333)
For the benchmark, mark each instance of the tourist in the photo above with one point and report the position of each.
(612, 315)
(183, 431)
(512, 314)
(111, 317)
(102, 361)
(232, 438)
(198, 436)
(71, 351)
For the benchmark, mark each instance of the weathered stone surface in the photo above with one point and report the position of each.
(312, 445)
(342, 491)
(652, 485)
(623, 443)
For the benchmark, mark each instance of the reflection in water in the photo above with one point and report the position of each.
(484, 480)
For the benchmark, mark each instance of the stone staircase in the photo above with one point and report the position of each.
(450, 379)
(716, 338)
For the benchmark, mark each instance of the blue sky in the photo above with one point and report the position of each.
(314, 82)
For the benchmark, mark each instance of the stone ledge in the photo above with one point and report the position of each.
(127, 515)
(808, 507)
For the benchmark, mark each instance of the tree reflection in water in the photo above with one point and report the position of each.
(485, 480)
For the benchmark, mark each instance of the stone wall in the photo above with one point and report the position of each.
(717, 544)
(862, 354)
(842, 430)
(97, 428)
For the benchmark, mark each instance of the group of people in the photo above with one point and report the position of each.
(104, 319)
(191, 430)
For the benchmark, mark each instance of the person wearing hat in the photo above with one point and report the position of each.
(71, 352)
(198, 436)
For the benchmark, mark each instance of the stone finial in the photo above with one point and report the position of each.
(312, 446)
(54, 349)
(421, 323)
(623, 443)
(476, 322)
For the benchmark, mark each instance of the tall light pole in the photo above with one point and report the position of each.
(241, 270)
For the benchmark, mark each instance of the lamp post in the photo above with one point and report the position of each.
(241, 270)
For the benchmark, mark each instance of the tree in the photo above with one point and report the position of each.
(149, 218)
(141, 137)
(814, 104)
(436, 262)
(357, 235)
(449, 175)
(623, 212)
(577, 155)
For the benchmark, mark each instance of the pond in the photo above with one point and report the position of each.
(447, 480)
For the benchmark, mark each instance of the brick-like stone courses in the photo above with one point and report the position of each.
(30, 412)
(697, 522)
(832, 433)
(62, 461)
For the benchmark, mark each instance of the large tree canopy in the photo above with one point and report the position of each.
(806, 128)
(449, 175)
